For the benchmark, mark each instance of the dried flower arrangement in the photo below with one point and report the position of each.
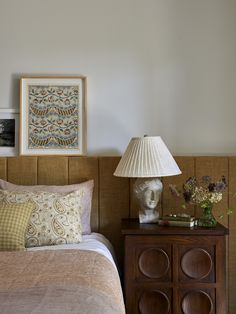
(205, 193)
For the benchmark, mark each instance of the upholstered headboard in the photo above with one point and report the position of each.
(110, 196)
(113, 199)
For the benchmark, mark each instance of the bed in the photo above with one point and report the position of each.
(71, 278)
(77, 274)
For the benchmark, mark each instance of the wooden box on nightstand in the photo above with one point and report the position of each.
(174, 270)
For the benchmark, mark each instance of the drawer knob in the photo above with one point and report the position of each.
(151, 302)
(195, 302)
(154, 263)
(196, 263)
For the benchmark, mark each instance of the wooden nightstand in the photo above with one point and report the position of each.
(174, 270)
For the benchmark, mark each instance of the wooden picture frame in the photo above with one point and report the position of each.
(53, 115)
(9, 132)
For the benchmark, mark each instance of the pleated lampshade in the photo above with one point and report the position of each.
(147, 157)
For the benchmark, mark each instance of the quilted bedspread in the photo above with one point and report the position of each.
(60, 282)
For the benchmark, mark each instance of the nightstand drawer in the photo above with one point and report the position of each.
(151, 300)
(197, 262)
(152, 260)
(155, 258)
(203, 299)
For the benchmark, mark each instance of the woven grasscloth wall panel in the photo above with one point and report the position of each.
(172, 204)
(3, 168)
(22, 170)
(53, 171)
(113, 199)
(82, 169)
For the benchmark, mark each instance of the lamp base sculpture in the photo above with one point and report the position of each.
(148, 216)
(148, 193)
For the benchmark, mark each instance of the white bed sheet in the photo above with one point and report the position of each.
(92, 242)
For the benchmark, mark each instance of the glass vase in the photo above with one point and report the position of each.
(207, 219)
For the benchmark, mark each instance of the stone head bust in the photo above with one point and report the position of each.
(148, 192)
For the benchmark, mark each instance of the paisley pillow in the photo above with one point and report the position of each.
(86, 186)
(55, 218)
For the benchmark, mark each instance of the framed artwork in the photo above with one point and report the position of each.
(9, 132)
(53, 116)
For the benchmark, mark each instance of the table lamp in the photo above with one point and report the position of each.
(147, 158)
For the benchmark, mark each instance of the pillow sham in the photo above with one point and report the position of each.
(14, 220)
(55, 219)
(86, 204)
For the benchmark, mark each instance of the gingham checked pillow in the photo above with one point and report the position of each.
(14, 220)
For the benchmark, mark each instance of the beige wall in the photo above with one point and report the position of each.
(157, 67)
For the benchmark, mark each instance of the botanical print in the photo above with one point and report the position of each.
(53, 117)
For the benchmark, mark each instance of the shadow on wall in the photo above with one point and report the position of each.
(14, 91)
(104, 152)
(107, 136)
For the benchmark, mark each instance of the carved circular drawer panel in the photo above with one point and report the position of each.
(196, 263)
(154, 263)
(197, 302)
(151, 302)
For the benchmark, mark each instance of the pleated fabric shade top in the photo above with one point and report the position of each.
(147, 157)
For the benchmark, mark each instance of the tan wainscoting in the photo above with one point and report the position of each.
(113, 199)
